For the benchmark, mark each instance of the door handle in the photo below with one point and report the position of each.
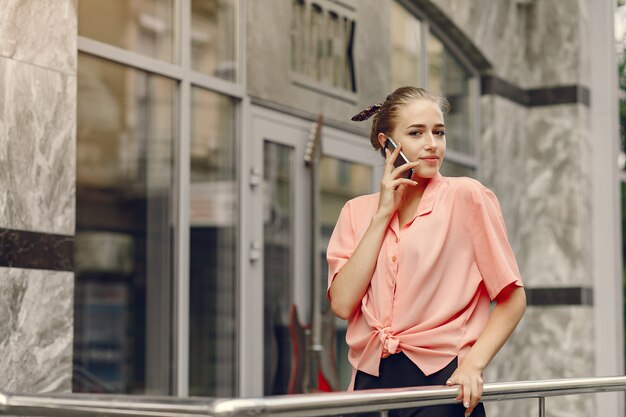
(256, 250)
(255, 177)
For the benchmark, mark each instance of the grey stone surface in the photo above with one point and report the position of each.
(36, 330)
(533, 44)
(37, 148)
(40, 32)
(537, 161)
(549, 343)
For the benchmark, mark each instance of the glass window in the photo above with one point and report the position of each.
(340, 181)
(124, 198)
(214, 38)
(213, 241)
(620, 37)
(623, 206)
(316, 36)
(435, 50)
(335, 51)
(406, 48)
(447, 76)
(298, 45)
(321, 44)
(143, 26)
(278, 232)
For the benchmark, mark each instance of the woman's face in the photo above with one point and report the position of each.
(421, 132)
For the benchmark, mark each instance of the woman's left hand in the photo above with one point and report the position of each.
(470, 381)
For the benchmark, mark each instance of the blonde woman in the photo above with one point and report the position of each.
(414, 267)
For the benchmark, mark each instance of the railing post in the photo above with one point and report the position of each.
(384, 413)
(542, 406)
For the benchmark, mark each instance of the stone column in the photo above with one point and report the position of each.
(536, 149)
(37, 193)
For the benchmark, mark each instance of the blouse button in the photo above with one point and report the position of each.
(394, 258)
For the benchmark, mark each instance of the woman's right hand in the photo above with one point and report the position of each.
(353, 280)
(393, 184)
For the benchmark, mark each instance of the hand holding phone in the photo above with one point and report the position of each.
(401, 159)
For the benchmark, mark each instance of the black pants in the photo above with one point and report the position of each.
(398, 371)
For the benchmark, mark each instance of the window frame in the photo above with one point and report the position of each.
(182, 73)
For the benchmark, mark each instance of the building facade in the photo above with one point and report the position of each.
(161, 222)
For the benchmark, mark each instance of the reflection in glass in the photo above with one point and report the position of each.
(143, 26)
(435, 52)
(447, 75)
(322, 45)
(406, 48)
(336, 54)
(620, 38)
(316, 42)
(123, 250)
(453, 169)
(340, 181)
(213, 242)
(278, 232)
(623, 196)
(298, 46)
(214, 38)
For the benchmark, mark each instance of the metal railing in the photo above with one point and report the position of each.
(305, 405)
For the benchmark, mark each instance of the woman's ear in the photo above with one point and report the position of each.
(382, 139)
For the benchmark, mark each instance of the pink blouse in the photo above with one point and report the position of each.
(430, 292)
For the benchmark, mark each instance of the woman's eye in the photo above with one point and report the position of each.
(440, 132)
(415, 133)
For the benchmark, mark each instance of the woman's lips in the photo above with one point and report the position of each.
(430, 159)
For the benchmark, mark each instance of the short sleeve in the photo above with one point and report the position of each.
(341, 245)
(494, 255)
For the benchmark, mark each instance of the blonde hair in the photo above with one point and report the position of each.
(386, 113)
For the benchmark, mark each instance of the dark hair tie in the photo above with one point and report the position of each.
(367, 113)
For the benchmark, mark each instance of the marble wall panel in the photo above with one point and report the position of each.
(537, 161)
(36, 330)
(501, 167)
(549, 343)
(556, 202)
(557, 51)
(41, 32)
(530, 43)
(269, 60)
(37, 148)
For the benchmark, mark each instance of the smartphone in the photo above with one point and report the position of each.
(401, 159)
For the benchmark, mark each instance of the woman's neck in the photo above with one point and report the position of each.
(415, 192)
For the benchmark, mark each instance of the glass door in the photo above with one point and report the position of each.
(349, 168)
(278, 263)
(284, 351)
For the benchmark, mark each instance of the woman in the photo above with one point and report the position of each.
(414, 267)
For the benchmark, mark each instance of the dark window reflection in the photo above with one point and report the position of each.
(340, 181)
(278, 267)
(122, 331)
(213, 241)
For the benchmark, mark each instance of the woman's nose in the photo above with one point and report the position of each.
(431, 143)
